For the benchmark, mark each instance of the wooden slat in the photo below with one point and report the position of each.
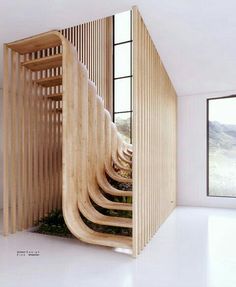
(31, 194)
(45, 63)
(54, 148)
(50, 154)
(41, 137)
(20, 143)
(25, 152)
(18, 146)
(35, 150)
(46, 175)
(6, 114)
(50, 81)
(13, 98)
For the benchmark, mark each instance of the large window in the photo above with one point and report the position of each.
(221, 146)
(122, 74)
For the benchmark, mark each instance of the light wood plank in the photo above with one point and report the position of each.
(50, 81)
(45, 63)
(35, 43)
(6, 113)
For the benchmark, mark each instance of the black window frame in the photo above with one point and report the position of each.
(207, 145)
(124, 77)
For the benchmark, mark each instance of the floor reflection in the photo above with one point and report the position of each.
(222, 249)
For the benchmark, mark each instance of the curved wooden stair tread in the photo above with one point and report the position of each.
(119, 163)
(115, 176)
(36, 43)
(121, 156)
(128, 147)
(127, 154)
(109, 189)
(49, 81)
(80, 230)
(44, 63)
(118, 145)
(111, 144)
(130, 151)
(114, 155)
(102, 201)
(89, 212)
(120, 166)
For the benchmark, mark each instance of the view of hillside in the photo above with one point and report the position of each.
(123, 126)
(222, 159)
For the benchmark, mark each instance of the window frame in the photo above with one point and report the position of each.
(114, 113)
(207, 146)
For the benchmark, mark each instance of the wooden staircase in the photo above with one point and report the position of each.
(60, 95)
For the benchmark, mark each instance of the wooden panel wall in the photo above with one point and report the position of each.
(154, 138)
(93, 42)
(32, 143)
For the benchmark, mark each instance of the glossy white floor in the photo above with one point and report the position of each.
(195, 247)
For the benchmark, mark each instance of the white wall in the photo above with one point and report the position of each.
(192, 153)
(1, 153)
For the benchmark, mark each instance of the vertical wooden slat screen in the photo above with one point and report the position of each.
(154, 138)
(32, 144)
(93, 42)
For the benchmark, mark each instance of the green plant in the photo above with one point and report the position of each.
(53, 224)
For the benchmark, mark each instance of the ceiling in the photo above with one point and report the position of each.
(195, 39)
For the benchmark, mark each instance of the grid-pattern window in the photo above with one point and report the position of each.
(122, 74)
